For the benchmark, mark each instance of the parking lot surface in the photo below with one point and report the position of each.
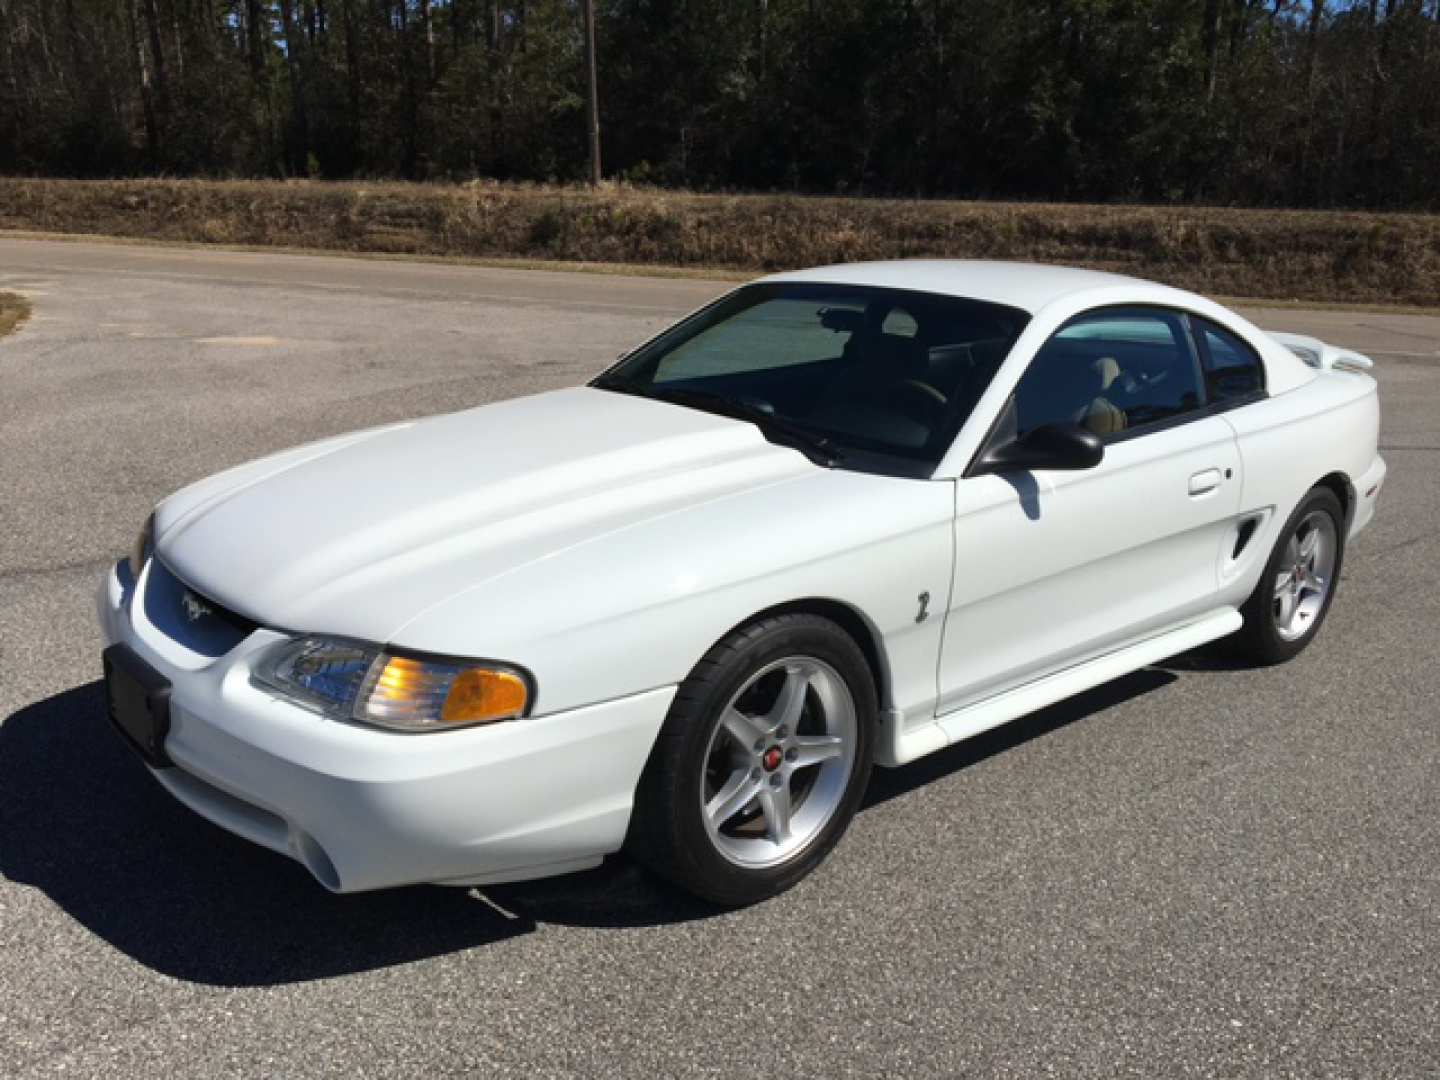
(1192, 871)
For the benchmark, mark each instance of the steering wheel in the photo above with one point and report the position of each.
(918, 400)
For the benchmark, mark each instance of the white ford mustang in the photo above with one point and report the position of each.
(838, 517)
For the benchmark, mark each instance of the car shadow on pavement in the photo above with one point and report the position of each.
(82, 821)
(887, 784)
(1217, 656)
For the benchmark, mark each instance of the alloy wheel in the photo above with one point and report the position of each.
(778, 762)
(1307, 572)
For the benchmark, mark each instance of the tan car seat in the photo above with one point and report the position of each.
(1104, 417)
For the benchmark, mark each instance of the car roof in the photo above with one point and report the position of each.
(1028, 286)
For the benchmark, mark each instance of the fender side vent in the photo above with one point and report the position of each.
(1243, 535)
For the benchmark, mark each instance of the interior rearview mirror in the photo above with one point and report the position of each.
(842, 320)
(1050, 446)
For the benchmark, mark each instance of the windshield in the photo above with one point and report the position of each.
(854, 375)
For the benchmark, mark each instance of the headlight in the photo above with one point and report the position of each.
(352, 680)
(144, 545)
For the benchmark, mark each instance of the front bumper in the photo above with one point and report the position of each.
(367, 809)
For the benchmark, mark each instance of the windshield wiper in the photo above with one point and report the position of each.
(818, 448)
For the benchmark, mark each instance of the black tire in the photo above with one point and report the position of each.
(1260, 640)
(668, 831)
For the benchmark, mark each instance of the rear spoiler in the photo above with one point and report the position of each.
(1318, 354)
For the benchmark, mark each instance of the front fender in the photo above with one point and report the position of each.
(636, 608)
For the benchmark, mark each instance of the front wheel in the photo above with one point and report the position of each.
(1286, 609)
(761, 763)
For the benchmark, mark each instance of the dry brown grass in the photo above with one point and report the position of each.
(14, 310)
(1288, 255)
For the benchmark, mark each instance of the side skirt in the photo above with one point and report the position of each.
(973, 719)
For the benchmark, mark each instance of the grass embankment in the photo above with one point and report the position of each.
(1302, 255)
(14, 310)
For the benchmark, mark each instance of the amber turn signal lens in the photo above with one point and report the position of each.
(480, 694)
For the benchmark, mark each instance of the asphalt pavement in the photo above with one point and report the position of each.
(1192, 871)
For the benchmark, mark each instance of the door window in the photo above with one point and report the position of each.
(1112, 371)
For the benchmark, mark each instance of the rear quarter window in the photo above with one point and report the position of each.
(1233, 370)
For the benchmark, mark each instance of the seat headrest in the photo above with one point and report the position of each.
(1109, 370)
(902, 357)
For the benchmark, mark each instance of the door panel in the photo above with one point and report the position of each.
(1052, 567)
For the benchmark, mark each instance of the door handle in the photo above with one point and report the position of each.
(1205, 481)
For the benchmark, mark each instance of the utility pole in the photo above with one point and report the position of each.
(593, 92)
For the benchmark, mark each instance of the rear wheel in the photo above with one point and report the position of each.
(761, 763)
(1287, 607)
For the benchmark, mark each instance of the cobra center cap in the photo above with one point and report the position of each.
(771, 758)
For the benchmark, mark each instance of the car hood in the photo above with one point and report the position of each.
(360, 534)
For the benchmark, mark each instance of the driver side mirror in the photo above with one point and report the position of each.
(1050, 446)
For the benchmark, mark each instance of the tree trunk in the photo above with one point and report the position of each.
(1210, 33)
(425, 17)
(179, 38)
(157, 51)
(592, 92)
(941, 92)
(11, 75)
(1312, 43)
(295, 62)
(255, 42)
(497, 112)
(1312, 51)
(72, 36)
(761, 31)
(142, 72)
(1239, 23)
(352, 64)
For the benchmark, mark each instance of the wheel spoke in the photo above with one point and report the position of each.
(1283, 583)
(746, 730)
(813, 749)
(775, 806)
(732, 798)
(1286, 610)
(1309, 546)
(790, 702)
(1292, 551)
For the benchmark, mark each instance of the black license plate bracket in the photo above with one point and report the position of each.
(137, 699)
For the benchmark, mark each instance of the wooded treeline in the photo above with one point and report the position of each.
(1257, 102)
